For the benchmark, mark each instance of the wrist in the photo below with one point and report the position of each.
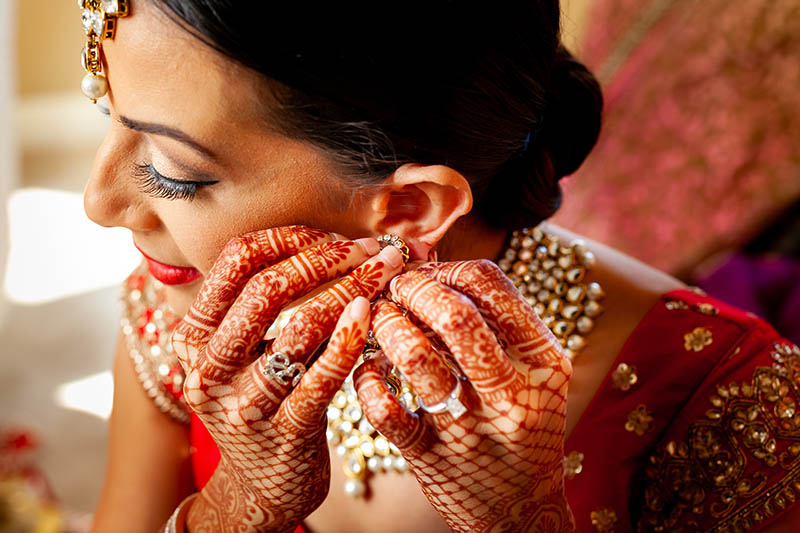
(225, 504)
(177, 521)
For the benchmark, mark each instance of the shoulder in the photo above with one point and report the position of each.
(621, 270)
(147, 323)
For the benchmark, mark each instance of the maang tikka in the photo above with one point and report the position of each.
(99, 20)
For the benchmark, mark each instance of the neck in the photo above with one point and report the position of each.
(469, 238)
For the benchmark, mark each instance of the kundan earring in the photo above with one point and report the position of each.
(99, 20)
(398, 242)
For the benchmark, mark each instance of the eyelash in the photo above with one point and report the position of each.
(152, 182)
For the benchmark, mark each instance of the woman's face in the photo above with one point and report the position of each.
(190, 163)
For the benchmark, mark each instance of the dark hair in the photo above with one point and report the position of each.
(491, 93)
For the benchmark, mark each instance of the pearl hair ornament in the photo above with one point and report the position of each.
(99, 21)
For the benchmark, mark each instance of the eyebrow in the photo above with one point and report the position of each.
(166, 131)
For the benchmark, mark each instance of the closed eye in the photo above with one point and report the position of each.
(152, 182)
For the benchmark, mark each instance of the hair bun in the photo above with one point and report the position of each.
(574, 114)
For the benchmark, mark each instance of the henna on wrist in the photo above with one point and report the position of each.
(225, 505)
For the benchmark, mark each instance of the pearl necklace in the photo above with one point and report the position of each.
(550, 277)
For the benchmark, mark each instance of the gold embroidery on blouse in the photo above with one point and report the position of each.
(713, 471)
(640, 420)
(624, 377)
(707, 309)
(573, 464)
(673, 305)
(697, 339)
(604, 519)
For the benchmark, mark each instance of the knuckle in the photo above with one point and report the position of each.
(459, 312)
(238, 248)
(407, 279)
(482, 270)
(566, 367)
(269, 282)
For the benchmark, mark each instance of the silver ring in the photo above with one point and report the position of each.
(452, 404)
(281, 369)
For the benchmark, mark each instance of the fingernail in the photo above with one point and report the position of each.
(359, 308)
(392, 256)
(338, 237)
(369, 245)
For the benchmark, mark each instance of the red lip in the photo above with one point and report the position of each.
(170, 274)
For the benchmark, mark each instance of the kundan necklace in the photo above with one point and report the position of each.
(549, 275)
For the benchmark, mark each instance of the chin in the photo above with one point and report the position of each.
(180, 297)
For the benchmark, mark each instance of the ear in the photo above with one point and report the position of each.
(419, 203)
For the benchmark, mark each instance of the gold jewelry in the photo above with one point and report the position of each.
(394, 240)
(363, 450)
(534, 261)
(99, 20)
(550, 277)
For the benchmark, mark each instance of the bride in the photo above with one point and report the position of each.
(238, 128)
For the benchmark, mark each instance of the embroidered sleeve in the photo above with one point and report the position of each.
(730, 461)
(147, 322)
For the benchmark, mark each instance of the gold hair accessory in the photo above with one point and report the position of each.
(99, 20)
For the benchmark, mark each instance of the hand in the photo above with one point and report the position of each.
(274, 465)
(499, 466)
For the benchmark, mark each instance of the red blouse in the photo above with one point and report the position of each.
(694, 428)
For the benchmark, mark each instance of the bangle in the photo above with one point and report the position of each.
(177, 521)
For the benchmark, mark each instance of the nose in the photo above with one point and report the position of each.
(111, 197)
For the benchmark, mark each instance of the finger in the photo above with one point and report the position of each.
(306, 406)
(403, 428)
(260, 302)
(457, 321)
(241, 257)
(502, 305)
(409, 349)
(314, 320)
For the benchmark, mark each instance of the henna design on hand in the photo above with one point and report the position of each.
(499, 467)
(240, 258)
(516, 323)
(275, 470)
(456, 320)
(367, 280)
(274, 465)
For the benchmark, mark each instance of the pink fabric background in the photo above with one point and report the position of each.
(701, 140)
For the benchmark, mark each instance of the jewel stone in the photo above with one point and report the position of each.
(110, 7)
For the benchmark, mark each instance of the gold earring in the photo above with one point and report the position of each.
(396, 241)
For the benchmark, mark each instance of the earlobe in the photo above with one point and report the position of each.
(420, 203)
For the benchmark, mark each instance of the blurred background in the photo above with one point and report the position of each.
(58, 312)
(697, 172)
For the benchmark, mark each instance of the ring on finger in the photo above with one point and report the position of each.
(452, 404)
(280, 368)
